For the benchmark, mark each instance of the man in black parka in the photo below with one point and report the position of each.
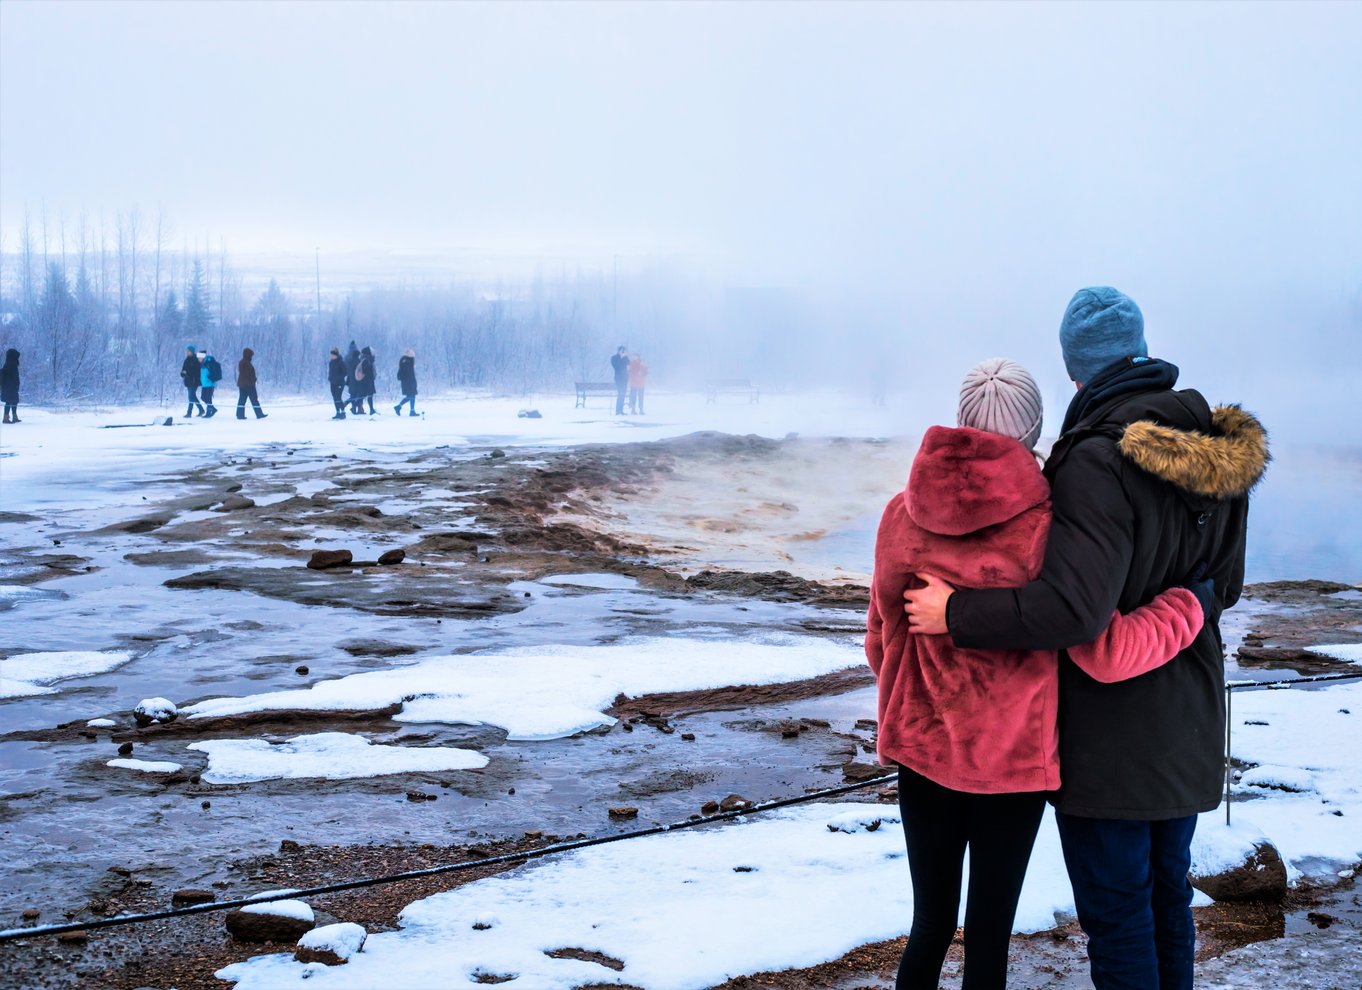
(336, 374)
(1150, 489)
(619, 361)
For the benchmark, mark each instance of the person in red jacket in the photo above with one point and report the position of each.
(973, 732)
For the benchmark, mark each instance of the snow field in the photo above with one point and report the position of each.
(27, 674)
(553, 692)
(1305, 793)
(689, 909)
(334, 755)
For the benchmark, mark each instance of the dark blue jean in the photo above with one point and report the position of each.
(1134, 899)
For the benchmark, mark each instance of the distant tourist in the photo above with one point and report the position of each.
(406, 375)
(336, 374)
(245, 383)
(364, 387)
(620, 362)
(190, 372)
(352, 359)
(210, 373)
(638, 378)
(9, 385)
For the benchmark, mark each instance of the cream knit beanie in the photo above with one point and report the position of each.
(1000, 396)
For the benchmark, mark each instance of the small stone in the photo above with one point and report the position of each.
(289, 846)
(709, 808)
(623, 812)
(1260, 877)
(510, 790)
(206, 805)
(332, 945)
(125, 749)
(301, 669)
(194, 778)
(323, 559)
(688, 736)
(389, 557)
(122, 871)
(233, 503)
(734, 802)
(789, 732)
(259, 925)
(540, 835)
(154, 710)
(74, 938)
(627, 727)
(191, 895)
(32, 914)
(497, 453)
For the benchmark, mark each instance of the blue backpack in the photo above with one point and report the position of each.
(214, 369)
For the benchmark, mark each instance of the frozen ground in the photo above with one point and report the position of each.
(508, 713)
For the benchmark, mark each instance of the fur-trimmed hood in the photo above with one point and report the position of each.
(1226, 463)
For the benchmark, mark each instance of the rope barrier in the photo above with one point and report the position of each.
(15, 934)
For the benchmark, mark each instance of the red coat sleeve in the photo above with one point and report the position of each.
(1145, 639)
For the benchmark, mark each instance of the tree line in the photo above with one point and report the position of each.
(103, 314)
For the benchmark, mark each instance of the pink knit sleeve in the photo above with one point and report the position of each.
(1144, 640)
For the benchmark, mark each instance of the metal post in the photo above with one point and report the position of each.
(1229, 711)
(319, 289)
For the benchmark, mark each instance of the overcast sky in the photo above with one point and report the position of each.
(969, 161)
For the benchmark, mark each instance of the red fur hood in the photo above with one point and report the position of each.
(964, 480)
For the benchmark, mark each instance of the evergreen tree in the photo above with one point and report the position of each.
(198, 318)
(56, 318)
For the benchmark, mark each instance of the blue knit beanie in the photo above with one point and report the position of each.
(1100, 327)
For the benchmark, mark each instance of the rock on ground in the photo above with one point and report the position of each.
(332, 944)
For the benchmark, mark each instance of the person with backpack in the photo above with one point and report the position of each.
(210, 374)
(365, 388)
(406, 375)
(336, 374)
(9, 385)
(191, 372)
(245, 383)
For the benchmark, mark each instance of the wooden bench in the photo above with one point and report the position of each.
(717, 385)
(593, 388)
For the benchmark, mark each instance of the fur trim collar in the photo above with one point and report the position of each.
(1226, 463)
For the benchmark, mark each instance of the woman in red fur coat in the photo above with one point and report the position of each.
(973, 732)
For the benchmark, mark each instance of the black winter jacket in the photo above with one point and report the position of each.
(9, 378)
(365, 386)
(189, 371)
(1145, 487)
(406, 374)
(336, 371)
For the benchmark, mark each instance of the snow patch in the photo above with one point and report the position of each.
(27, 674)
(556, 691)
(790, 910)
(101, 723)
(1291, 779)
(332, 755)
(344, 939)
(1347, 652)
(281, 909)
(146, 766)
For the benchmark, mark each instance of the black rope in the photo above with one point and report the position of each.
(14, 934)
(1288, 682)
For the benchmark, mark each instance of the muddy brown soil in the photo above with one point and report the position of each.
(1319, 612)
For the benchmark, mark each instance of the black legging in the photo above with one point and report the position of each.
(999, 830)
